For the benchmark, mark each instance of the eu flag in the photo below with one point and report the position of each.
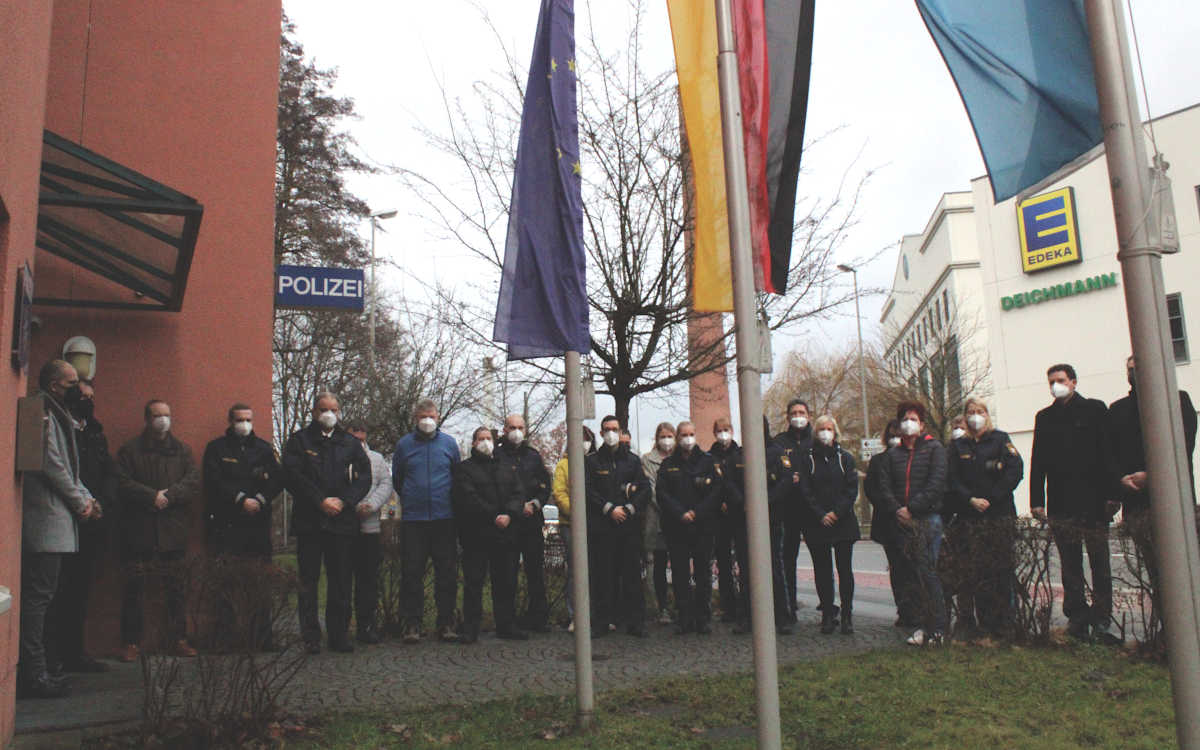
(1024, 71)
(542, 310)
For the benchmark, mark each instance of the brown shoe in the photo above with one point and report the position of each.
(183, 649)
(129, 653)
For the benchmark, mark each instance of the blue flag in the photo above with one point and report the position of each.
(1024, 71)
(543, 309)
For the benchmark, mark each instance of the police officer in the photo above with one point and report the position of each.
(488, 502)
(795, 441)
(984, 469)
(328, 474)
(241, 478)
(1071, 467)
(689, 497)
(526, 463)
(617, 493)
(726, 526)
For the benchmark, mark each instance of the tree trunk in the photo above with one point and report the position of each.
(622, 400)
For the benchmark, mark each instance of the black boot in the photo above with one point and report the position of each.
(847, 625)
(42, 687)
(829, 621)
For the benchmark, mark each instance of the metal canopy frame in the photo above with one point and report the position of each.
(74, 177)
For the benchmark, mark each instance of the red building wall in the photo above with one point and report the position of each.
(185, 94)
(24, 56)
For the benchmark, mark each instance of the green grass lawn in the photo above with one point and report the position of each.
(960, 698)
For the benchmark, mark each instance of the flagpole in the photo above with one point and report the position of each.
(584, 690)
(762, 614)
(1171, 506)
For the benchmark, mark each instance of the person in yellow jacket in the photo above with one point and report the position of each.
(560, 492)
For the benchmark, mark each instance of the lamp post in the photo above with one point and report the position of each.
(862, 368)
(375, 217)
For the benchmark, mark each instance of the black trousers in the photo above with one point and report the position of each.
(793, 535)
(420, 542)
(659, 560)
(39, 580)
(691, 559)
(616, 557)
(987, 598)
(336, 550)
(245, 624)
(723, 552)
(483, 555)
(532, 548)
(68, 611)
(823, 558)
(367, 557)
(778, 587)
(133, 602)
(1071, 536)
(902, 575)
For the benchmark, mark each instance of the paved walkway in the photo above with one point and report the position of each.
(392, 675)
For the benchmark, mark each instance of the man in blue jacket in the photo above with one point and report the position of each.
(421, 473)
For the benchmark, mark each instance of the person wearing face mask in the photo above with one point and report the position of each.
(901, 576)
(328, 473)
(829, 487)
(422, 468)
(1125, 439)
(158, 482)
(515, 451)
(796, 441)
(727, 523)
(98, 472)
(654, 544)
(617, 493)
(1072, 468)
(984, 469)
(241, 478)
(54, 500)
(489, 500)
(689, 497)
(561, 492)
(911, 486)
(368, 555)
(958, 427)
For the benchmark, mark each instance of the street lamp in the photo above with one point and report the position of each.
(375, 217)
(862, 368)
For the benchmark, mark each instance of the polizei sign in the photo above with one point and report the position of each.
(310, 286)
(1059, 291)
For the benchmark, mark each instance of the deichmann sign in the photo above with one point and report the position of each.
(1059, 291)
(1049, 232)
(309, 286)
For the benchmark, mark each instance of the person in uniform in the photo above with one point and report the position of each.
(689, 497)
(488, 500)
(1072, 468)
(795, 441)
(617, 493)
(984, 469)
(654, 544)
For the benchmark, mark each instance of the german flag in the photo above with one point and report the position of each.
(774, 46)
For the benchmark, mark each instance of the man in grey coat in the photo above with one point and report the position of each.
(367, 554)
(54, 499)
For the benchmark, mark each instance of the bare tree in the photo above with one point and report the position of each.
(633, 164)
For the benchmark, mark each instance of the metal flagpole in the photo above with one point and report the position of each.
(762, 608)
(584, 691)
(1171, 503)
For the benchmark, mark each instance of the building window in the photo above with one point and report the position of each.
(954, 393)
(1178, 329)
(937, 310)
(946, 303)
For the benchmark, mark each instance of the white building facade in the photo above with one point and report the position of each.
(1028, 286)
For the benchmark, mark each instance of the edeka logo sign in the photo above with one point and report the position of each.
(1059, 291)
(308, 286)
(1049, 232)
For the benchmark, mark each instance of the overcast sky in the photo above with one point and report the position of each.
(877, 80)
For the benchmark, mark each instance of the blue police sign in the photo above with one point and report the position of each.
(311, 286)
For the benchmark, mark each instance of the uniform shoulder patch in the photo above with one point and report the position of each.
(1012, 450)
(787, 462)
(965, 456)
(719, 470)
(229, 459)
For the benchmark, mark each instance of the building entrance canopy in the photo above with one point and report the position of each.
(136, 235)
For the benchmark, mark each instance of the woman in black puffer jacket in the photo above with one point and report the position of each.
(829, 488)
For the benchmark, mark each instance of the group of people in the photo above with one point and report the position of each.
(678, 507)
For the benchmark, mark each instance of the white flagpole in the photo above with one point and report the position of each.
(1171, 505)
(584, 690)
(762, 608)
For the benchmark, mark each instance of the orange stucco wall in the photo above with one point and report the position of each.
(186, 94)
(24, 55)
